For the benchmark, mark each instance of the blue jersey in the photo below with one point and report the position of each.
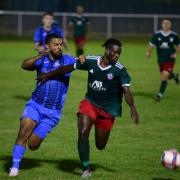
(41, 34)
(52, 93)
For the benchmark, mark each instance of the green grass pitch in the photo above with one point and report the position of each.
(132, 153)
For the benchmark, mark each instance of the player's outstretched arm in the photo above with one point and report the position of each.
(178, 49)
(39, 48)
(62, 70)
(177, 52)
(149, 51)
(130, 101)
(29, 64)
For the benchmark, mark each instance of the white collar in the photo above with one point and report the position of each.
(165, 34)
(105, 68)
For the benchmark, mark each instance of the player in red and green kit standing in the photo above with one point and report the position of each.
(80, 26)
(165, 41)
(108, 81)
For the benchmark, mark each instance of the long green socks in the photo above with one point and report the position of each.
(84, 150)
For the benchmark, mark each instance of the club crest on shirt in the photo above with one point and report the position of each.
(171, 40)
(110, 76)
(91, 71)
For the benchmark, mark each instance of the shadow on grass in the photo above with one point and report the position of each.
(66, 165)
(69, 165)
(144, 94)
(162, 179)
(25, 164)
(21, 97)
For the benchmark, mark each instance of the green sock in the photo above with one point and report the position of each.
(172, 75)
(163, 87)
(83, 149)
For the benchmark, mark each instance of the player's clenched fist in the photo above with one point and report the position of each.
(81, 59)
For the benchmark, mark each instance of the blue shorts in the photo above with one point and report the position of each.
(46, 119)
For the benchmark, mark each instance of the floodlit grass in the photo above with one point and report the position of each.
(132, 153)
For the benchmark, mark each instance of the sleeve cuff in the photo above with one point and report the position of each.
(151, 44)
(75, 65)
(127, 85)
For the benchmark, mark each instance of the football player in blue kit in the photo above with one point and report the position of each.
(47, 28)
(43, 111)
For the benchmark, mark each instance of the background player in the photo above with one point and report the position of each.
(48, 27)
(43, 111)
(108, 81)
(165, 40)
(80, 26)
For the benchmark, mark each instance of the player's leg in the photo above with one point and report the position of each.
(34, 142)
(80, 41)
(165, 70)
(101, 137)
(169, 66)
(164, 80)
(84, 127)
(26, 127)
(28, 122)
(86, 116)
(174, 76)
(48, 121)
(103, 126)
(167, 73)
(40, 132)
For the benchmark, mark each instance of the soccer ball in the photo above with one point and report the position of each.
(170, 159)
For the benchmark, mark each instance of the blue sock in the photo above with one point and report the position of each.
(18, 153)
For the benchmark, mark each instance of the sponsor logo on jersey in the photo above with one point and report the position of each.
(79, 23)
(159, 39)
(97, 86)
(110, 76)
(164, 45)
(171, 39)
(44, 34)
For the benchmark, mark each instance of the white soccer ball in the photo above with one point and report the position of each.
(170, 159)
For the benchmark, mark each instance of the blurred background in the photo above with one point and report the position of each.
(108, 18)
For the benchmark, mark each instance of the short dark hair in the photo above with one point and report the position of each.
(51, 36)
(110, 42)
(50, 13)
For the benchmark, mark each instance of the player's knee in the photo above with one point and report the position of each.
(83, 136)
(85, 133)
(100, 146)
(33, 147)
